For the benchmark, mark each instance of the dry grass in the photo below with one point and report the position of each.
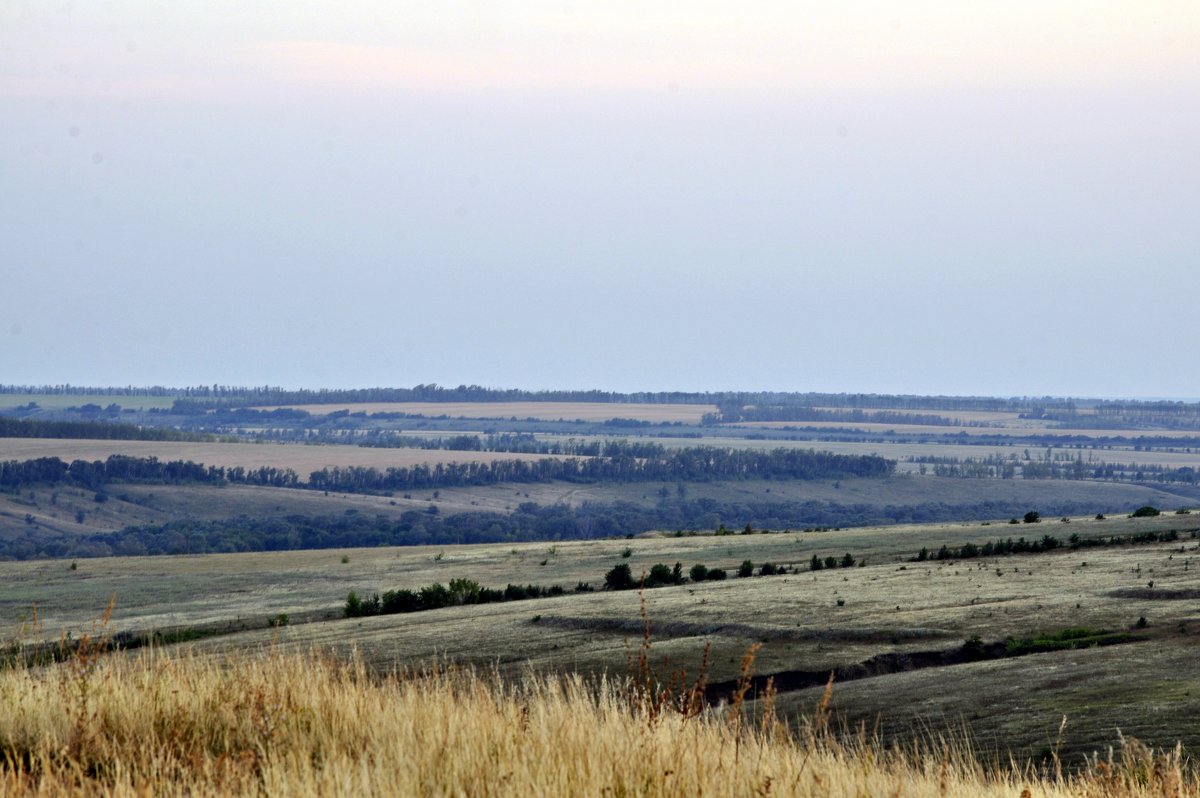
(301, 458)
(545, 411)
(274, 724)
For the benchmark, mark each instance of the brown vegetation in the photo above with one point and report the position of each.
(275, 724)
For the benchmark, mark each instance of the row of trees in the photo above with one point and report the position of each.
(1006, 547)
(121, 468)
(693, 464)
(92, 430)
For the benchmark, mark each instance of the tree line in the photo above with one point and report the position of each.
(92, 430)
(691, 464)
(119, 468)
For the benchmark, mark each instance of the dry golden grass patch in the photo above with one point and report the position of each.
(298, 725)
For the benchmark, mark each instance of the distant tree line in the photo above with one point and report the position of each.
(121, 468)
(1006, 547)
(732, 414)
(701, 463)
(92, 430)
(529, 522)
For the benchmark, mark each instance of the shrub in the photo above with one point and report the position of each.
(619, 578)
(395, 601)
(1032, 517)
(831, 562)
(358, 607)
(847, 561)
(815, 563)
(746, 569)
(767, 569)
(659, 575)
(1145, 511)
(435, 596)
(716, 574)
(699, 572)
(626, 554)
(583, 587)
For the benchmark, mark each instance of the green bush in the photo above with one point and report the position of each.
(619, 578)
(716, 574)
(698, 572)
(745, 569)
(1145, 511)
(659, 575)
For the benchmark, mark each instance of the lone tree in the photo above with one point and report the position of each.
(1145, 511)
(1032, 517)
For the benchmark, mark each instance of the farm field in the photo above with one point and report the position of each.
(546, 411)
(807, 621)
(301, 458)
(903, 452)
(1033, 427)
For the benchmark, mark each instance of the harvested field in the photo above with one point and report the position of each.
(303, 459)
(1031, 427)
(545, 411)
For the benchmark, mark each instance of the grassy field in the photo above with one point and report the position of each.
(278, 724)
(545, 411)
(805, 621)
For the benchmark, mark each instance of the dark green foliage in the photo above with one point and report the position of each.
(847, 561)
(815, 564)
(767, 569)
(619, 578)
(1145, 511)
(92, 430)
(715, 575)
(357, 607)
(1078, 637)
(698, 572)
(700, 463)
(459, 592)
(1047, 543)
(831, 562)
(746, 569)
(1032, 517)
(659, 575)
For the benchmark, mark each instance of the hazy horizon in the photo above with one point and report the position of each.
(924, 198)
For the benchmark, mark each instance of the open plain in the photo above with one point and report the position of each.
(806, 622)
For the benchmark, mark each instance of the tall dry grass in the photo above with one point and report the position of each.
(286, 724)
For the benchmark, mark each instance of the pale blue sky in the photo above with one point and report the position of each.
(930, 197)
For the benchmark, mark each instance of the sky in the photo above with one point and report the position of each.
(984, 198)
